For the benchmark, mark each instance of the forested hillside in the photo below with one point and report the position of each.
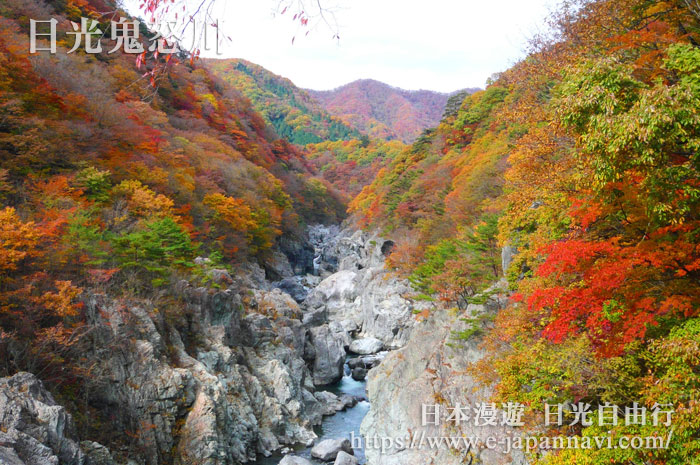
(291, 111)
(350, 165)
(382, 111)
(108, 180)
(341, 154)
(582, 161)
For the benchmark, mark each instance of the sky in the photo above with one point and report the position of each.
(441, 45)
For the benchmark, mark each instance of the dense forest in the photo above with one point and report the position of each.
(291, 111)
(341, 151)
(575, 172)
(583, 160)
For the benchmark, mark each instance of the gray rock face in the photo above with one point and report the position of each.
(278, 267)
(341, 333)
(507, 254)
(294, 288)
(343, 458)
(367, 361)
(331, 403)
(300, 255)
(362, 292)
(239, 387)
(294, 460)
(335, 293)
(221, 277)
(366, 346)
(431, 363)
(96, 453)
(328, 450)
(35, 430)
(315, 316)
(227, 374)
(330, 355)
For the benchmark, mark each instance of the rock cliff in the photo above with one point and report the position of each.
(361, 291)
(433, 369)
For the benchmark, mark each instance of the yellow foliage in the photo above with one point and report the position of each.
(61, 303)
(143, 201)
(234, 212)
(18, 240)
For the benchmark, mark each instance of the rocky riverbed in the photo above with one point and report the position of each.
(267, 366)
(246, 368)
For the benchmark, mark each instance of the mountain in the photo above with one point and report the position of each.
(337, 151)
(290, 110)
(383, 111)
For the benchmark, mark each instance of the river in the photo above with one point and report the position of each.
(344, 423)
(340, 425)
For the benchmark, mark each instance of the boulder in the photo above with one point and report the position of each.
(336, 293)
(348, 401)
(278, 267)
(276, 303)
(359, 373)
(97, 453)
(330, 356)
(367, 361)
(315, 317)
(366, 346)
(294, 288)
(371, 361)
(330, 403)
(294, 460)
(350, 326)
(328, 449)
(220, 277)
(343, 458)
(339, 331)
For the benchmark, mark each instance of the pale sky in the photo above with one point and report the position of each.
(441, 45)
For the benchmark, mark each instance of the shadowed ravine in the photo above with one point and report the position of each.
(359, 302)
(327, 257)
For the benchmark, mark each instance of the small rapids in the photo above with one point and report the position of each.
(340, 425)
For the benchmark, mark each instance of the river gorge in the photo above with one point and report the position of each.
(265, 366)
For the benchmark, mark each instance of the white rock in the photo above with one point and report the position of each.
(294, 460)
(328, 449)
(366, 346)
(343, 458)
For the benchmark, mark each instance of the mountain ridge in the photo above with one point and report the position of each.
(308, 116)
(382, 110)
(290, 110)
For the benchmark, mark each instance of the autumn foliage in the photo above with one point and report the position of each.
(112, 180)
(587, 152)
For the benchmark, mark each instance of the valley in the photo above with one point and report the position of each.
(202, 263)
